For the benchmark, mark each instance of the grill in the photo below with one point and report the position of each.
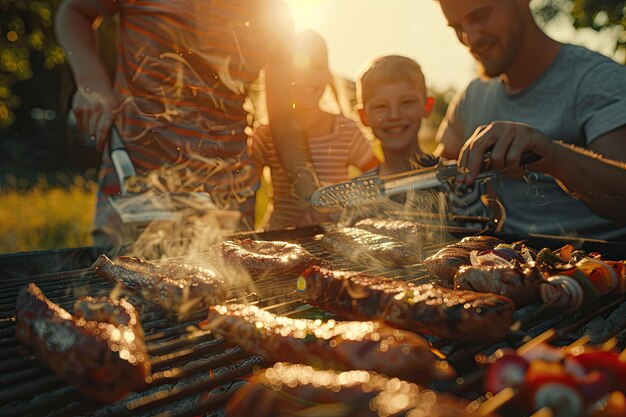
(194, 373)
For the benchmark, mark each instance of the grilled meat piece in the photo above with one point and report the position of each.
(175, 287)
(264, 258)
(519, 283)
(338, 345)
(446, 262)
(103, 309)
(411, 233)
(104, 361)
(298, 390)
(427, 308)
(366, 248)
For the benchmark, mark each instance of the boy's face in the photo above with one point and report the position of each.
(394, 112)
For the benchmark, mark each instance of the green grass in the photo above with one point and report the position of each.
(41, 216)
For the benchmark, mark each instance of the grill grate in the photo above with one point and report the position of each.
(195, 374)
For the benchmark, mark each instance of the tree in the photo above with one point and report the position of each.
(26, 29)
(595, 14)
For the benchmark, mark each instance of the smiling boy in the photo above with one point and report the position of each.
(392, 99)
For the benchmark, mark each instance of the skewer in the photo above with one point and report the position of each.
(497, 401)
(500, 399)
(543, 412)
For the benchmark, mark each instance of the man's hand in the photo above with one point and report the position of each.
(506, 141)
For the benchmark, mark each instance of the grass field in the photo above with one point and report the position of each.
(36, 215)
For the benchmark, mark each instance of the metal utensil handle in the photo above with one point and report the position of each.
(527, 157)
(120, 158)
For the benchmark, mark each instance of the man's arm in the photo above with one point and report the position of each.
(94, 102)
(596, 176)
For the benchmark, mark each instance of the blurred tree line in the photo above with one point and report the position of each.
(36, 84)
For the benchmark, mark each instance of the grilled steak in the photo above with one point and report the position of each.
(427, 308)
(366, 248)
(175, 287)
(411, 233)
(519, 283)
(263, 258)
(104, 361)
(298, 390)
(449, 259)
(337, 345)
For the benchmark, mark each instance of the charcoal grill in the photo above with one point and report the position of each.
(194, 373)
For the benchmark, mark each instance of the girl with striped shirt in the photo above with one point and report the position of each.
(334, 141)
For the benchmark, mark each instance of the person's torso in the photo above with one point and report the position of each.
(551, 105)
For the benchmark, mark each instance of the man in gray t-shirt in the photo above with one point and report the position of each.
(542, 96)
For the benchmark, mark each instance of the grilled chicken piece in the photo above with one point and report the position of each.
(103, 360)
(411, 233)
(520, 283)
(427, 308)
(446, 262)
(338, 345)
(176, 287)
(264, 258)
(366, 248)
(287, 390)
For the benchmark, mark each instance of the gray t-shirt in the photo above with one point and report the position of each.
(580, 97)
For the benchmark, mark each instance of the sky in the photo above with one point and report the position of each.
(358, 30)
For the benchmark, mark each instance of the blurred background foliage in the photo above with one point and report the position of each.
(598, 15)
(27, 29)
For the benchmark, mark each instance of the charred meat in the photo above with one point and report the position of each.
(264, 258)
(366, 248)
(103, 360)
(333, 344)
(411, 233)
(446, 262)
(176, 287)
(298, 390)
(426, 308)
(521, 283)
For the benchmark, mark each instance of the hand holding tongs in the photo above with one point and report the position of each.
(370, 189)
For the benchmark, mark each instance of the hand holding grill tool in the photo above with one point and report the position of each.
(137, 210)
(372, 189)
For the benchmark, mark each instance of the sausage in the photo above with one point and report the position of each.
(291, 390)
(520, 283)
(264, 258)
(367, 345)
(426, 308)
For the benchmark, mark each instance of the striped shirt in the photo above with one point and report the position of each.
(183, 71)
(331, 155)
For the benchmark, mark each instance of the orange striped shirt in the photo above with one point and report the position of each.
(183, 72)
(331, 155)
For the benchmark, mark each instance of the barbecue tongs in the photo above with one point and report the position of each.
(371, 189)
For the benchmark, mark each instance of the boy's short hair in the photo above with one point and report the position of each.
(387, 69)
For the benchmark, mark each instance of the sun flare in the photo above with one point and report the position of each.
(308, 13)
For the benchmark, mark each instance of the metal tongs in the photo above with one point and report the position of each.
(373, 188)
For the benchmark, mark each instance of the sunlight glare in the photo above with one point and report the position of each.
(308, 13)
